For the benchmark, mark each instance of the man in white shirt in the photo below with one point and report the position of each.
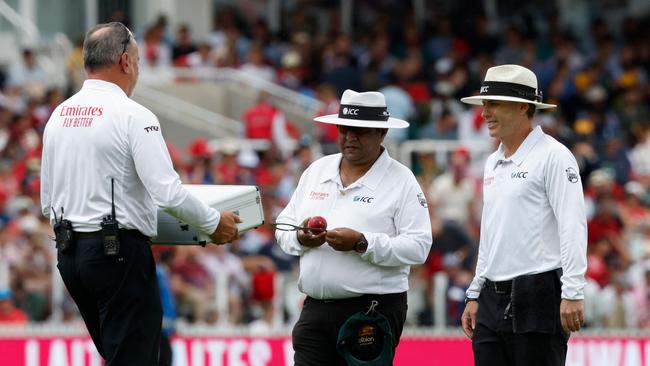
(453, 192)
(378, 227)
(528, 290)
(105, 170)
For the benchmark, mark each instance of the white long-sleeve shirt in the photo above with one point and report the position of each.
(533, 217)
(386, 205)
(98, 134)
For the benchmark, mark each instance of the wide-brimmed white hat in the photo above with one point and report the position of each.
(366, 109)
(510, 83)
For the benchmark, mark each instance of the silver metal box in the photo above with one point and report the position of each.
(245, 201)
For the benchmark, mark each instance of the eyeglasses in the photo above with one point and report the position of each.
(290, 227)
(126, 41)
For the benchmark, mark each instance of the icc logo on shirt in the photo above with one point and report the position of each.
(363, 199)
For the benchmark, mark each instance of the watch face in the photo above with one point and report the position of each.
(361, 245)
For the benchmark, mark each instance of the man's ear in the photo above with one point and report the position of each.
(383, 132)
(125, 62)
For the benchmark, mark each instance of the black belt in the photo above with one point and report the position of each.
(98, 234)
(385, 297)
(500, 287)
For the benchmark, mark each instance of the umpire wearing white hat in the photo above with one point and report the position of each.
(528, 290)
(378, 227)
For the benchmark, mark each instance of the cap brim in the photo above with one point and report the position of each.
(335, 120)
(478, 100)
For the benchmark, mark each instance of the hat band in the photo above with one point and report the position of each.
(348, 111)
(505, 89)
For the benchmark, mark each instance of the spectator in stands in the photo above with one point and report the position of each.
(633, 211)
(168, 303)
(292, 73)
(443, 101)
(74, 65)
(221, 264)
(606, 222)
(614, 158)
(200, 169)
(378, 63)
(8, 311)
(27, 75)
(616, 304)
(192, 283)
(643, 292)
(327, 134)
(452, 193)
(154, 51)
(183, 45)
(640, 157)
(203, 58)
(256, 65)
(248, 161)
(400, 105)
(264, 325)
(227, 169)
(340, 65)
(264, 121)
(453, 254)
(601, 183)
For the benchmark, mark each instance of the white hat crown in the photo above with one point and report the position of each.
(509, 83)
(367, 99)
(512, 74)
(366, 109)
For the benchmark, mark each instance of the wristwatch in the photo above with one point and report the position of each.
(361, 245)
(468, 299)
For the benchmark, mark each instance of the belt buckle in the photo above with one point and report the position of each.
(497, 288)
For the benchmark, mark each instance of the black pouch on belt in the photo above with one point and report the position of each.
(63, 235)
(536, 303)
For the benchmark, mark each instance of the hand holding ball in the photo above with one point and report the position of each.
(318, 223)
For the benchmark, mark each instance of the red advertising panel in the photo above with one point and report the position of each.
(251, 351)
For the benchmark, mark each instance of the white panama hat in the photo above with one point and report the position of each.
(367, 109)
(509, 83)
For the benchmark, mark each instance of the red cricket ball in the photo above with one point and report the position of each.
(317, 222)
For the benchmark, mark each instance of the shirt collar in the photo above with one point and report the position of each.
(371, 179)
(98, 84)
(524, 149)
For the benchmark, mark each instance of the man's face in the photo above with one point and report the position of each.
(135, 54)
(360, 145)
(502, 118)
(133, 64)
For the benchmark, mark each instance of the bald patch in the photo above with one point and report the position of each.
(97, 33)
(104, 44)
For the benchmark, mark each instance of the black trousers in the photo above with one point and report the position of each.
(316, 332)
(165, 358)
(495, 343)
(118, 297)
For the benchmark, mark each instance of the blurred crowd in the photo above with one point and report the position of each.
(598, 79)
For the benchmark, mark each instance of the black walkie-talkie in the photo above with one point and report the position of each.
(63, 233)
(111, 230)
